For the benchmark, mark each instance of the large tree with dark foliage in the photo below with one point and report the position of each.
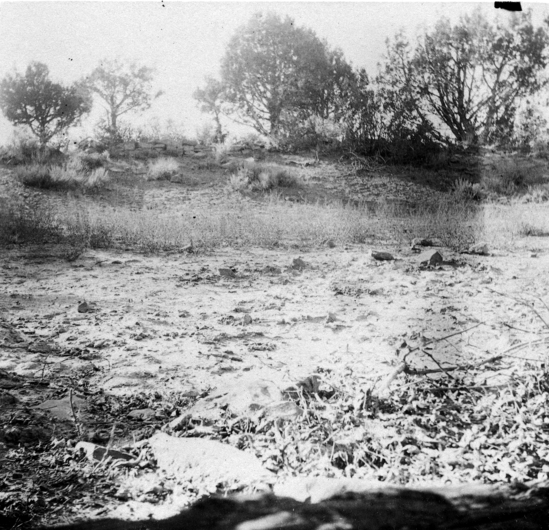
(275, 72)
(472, 74)
(47, 108)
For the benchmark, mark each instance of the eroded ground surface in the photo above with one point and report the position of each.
(190, 323)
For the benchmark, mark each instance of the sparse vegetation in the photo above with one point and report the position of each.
(162, 168)
(78, 171)
(263, 177)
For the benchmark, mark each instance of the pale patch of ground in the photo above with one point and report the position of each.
(172, 323)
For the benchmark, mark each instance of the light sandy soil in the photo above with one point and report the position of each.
(176, 323)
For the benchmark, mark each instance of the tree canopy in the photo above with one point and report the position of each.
(211, 99)
(47, 108)
(472, 74)
(274, 72)
(122, 87)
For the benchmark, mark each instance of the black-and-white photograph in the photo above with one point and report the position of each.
(274, 265)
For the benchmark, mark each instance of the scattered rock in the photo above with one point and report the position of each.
(247, 320)
(98, 452)
(382, 256)
(298, 264)
(245, 397)
(41, 346)
(419, 242)
(330, 243)
(9, 336)
(284, 410)
(480, 249)
(227, 273)
(142, 414)
(199, 458)
(308, 386)
(84, 307)
(61, 408)
(7, 400)
(270, 269)
(429, 258)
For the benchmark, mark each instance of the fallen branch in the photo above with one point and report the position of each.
(77, 423)
(403, 365)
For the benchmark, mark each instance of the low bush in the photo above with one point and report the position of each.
(74, 173)
(463, 190)
(514, 176)
(162, 168)
(91, 161)
(536, 194)
(263, 177)
(529, 230)
(35, 175)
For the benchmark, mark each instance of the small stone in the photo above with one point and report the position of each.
(97, 452)
(480, 249)
(298, 264)
(227, 273)
(84, 307)
(247, 320)
(142, 414)
(382, 256)
(430, 258)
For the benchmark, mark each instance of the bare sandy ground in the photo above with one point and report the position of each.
(176, 323)
(128, 323)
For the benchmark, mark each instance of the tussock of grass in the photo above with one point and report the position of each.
(162, 168)
(221, 152)
(35, 175)
(529, 230)
(514, 176)
(263, 177)
(79, 171)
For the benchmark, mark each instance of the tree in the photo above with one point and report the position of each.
(122, 87)
(211, 99)
(274, 72)
(473, 74)
(33, 99)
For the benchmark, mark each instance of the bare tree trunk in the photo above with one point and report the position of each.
(508, 507)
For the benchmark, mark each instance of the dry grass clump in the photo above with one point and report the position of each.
(78, 171)
(221, 152)
(263, 177)
(464, 190)
(514, 176)
(162, 168)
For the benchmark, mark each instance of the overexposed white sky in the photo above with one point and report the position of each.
(184, 41)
